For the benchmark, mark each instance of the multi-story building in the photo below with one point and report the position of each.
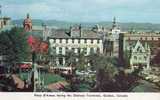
(140, 56)
(111, 42)
(61, 41)
(129, 40)
(4, 21)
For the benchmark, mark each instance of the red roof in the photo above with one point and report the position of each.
(37, 45)
(25, 66)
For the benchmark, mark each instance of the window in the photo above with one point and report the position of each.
(145, 38)
(66, 40)
(135, 57)
(79, 50)
(54, 40)
(72, 40)
(139, 49)
(145, 58)
(66, 49)
(61, 61)
(53, 50)
(98, 41)
(140, 58)
(85, 41)
(85, 50)
(129, 38)
(91, 41)
(73, 49)
(60, 40)
(91, 50)
(60, 50)
(98, 50)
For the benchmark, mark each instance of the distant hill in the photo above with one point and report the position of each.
(123, 26)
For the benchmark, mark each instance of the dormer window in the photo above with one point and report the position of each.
(66, 40)
(92, 41)
(72, 40)
(60, 40)
(85, 41)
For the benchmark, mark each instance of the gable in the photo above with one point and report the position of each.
(139, 47)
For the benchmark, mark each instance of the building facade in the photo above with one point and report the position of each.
(111, 42)
(5, 21)
(60, 46)
(140, 56)
(129, 40)
(62, 41)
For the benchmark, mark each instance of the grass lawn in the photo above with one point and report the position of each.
(51, 78)
(23, 75)
(48, 77)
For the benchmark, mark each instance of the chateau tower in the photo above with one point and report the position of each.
(27, 24)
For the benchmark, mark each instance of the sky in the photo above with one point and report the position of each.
(84, 10)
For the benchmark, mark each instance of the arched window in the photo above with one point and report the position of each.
(135, 57)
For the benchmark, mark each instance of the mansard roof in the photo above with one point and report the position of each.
(59, 33)
(64, 33)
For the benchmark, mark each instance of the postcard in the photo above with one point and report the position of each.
(80, 48)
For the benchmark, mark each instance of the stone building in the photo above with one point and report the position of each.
(75, 31)
(61, 41)
(140, 55)
(128, 41)
(4, 21)
(111, 42)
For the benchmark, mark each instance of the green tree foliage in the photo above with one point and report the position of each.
(82, 62)
(126, 58)
(71, 58)
(105, 71)
(14, 44)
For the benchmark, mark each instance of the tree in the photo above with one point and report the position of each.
(156, 59)
(82, 62)
(13, 43)
(71, 58)
(105, 72)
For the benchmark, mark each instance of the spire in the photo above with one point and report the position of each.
(114, 22)
(27, 15)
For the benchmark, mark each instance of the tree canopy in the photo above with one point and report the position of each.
(13, 43)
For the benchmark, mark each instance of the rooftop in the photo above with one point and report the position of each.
(143, 34)
(65, 33)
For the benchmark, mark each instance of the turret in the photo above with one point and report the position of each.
(114, 23)
(27, 24)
